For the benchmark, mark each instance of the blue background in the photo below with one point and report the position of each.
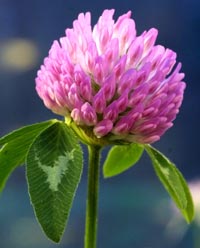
(134, 209)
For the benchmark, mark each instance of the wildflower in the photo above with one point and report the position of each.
(110, 82)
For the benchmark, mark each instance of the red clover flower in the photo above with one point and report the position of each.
(119, 85)
(113, 87)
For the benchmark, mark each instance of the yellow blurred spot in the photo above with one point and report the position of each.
(18, 54)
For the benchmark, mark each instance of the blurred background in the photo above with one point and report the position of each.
(135, 211)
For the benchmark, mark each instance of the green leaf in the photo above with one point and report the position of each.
(30, 131)
(120, 158)
(15, 146)
(54, 167)
(173, 181)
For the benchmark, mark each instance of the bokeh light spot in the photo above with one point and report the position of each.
(18, 54)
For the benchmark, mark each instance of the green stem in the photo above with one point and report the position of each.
(92, 197)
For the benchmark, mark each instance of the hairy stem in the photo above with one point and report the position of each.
(92, 197)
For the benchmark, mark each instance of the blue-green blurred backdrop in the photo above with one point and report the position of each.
(135, 211)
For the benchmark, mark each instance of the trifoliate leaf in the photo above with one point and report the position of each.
(15, 146)
(120, 158)
(173, 181)
(54, 167)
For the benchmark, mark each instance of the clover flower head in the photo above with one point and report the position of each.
(119, 85)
